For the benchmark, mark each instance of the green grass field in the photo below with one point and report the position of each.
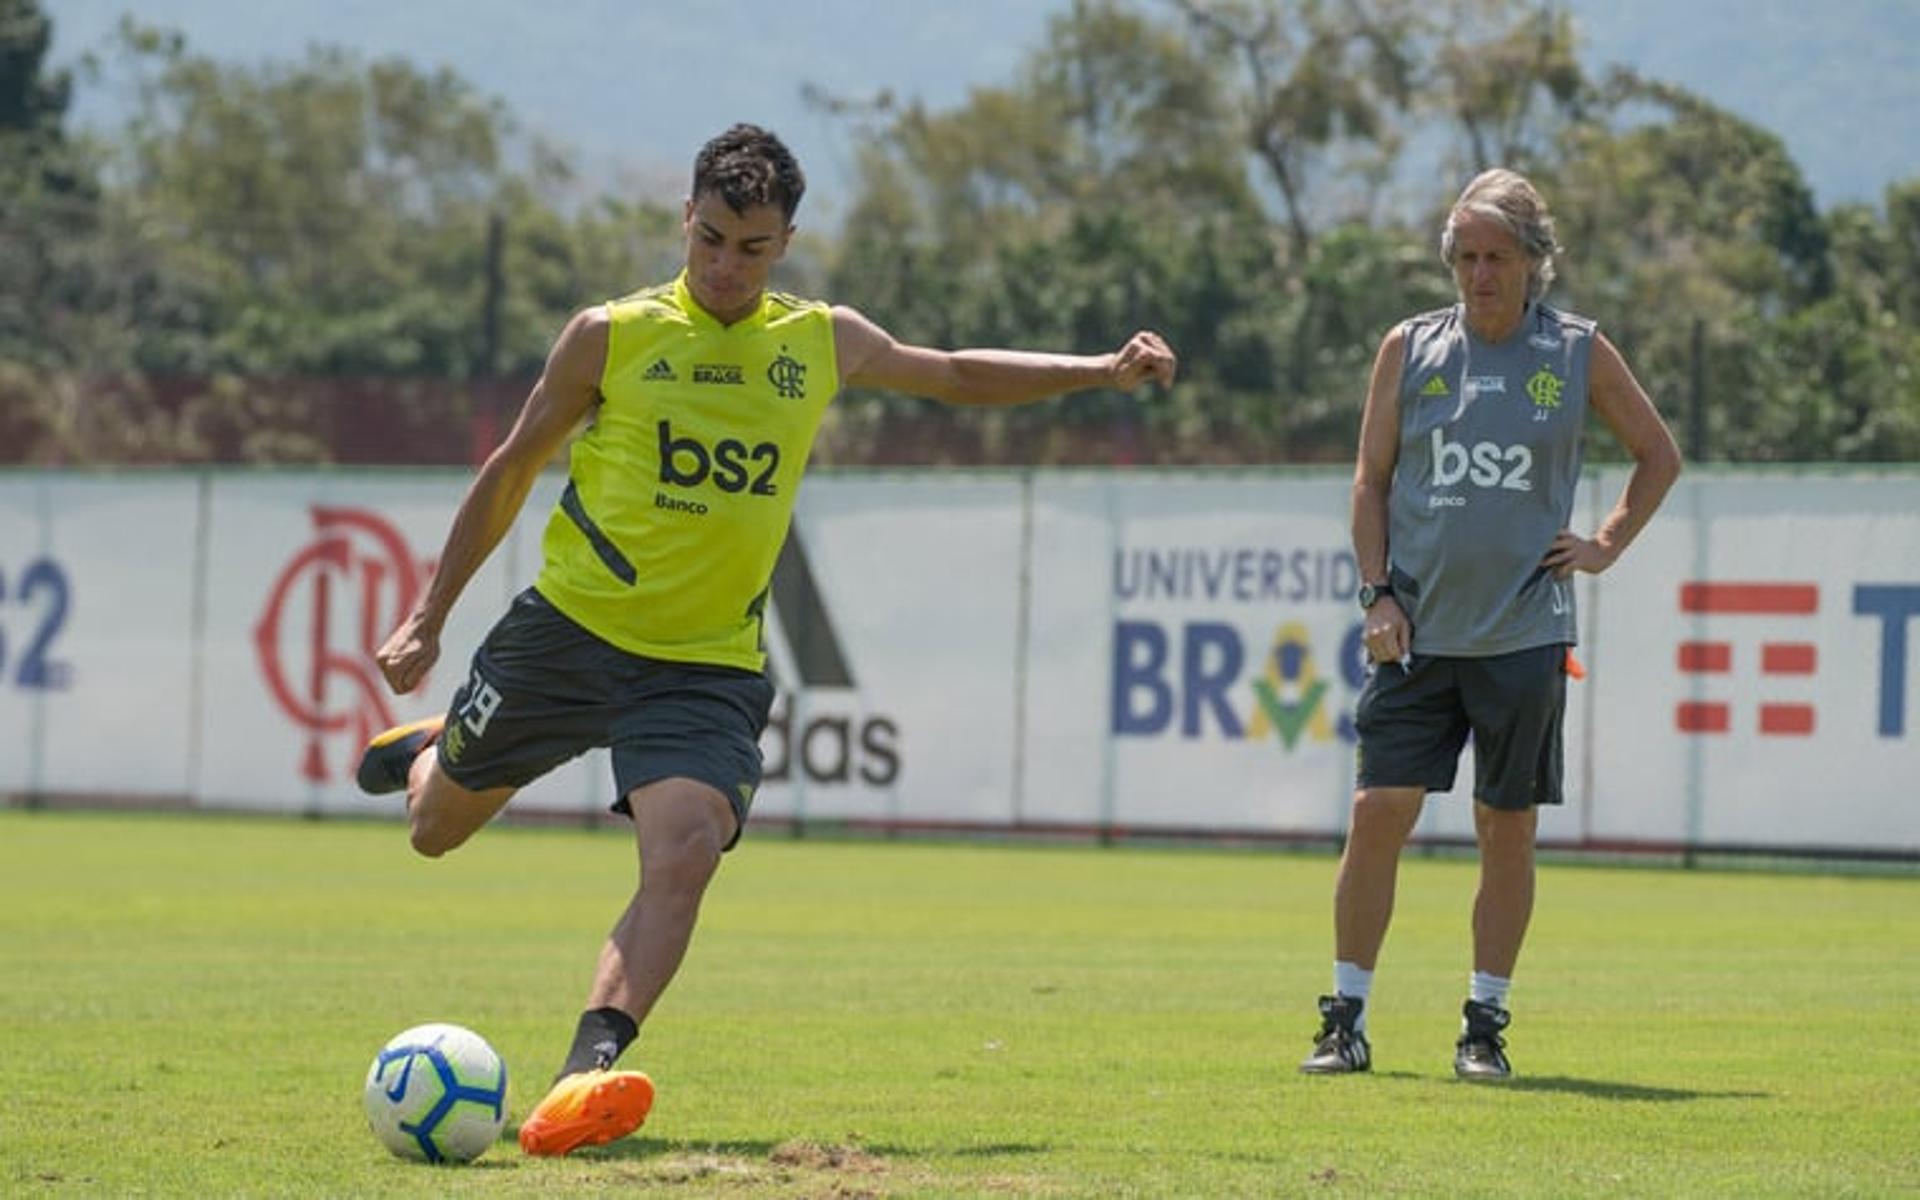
(188, 1005)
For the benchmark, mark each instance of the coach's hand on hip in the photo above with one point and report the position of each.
(1570, 552)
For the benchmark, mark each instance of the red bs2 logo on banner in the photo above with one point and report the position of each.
(359, 564)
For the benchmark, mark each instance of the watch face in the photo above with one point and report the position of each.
(1368, 594)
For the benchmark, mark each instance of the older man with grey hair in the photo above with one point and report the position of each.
(1470, 450)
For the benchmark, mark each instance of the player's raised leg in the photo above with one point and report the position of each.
(441, 814)
(682, 826)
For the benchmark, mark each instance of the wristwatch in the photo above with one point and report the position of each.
(1373, 593)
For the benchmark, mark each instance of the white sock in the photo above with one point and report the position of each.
(1489, 989)
(1349, 979)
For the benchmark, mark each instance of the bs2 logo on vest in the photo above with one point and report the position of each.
(1190, 675)
(687, 462)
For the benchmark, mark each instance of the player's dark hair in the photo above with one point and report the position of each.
(747, 166)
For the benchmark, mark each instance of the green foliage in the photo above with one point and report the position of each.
(1508, 75)
(332, 217)
(1681, 214)
(1233, 173)
(48, 194)
(192, 1002)
(1309, 80)
(318, 219)
(972, 228)
(32, 102)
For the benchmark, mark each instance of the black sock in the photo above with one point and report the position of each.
(603, 1034)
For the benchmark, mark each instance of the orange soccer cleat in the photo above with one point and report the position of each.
(587, 1108)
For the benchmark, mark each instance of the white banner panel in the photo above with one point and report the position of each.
(1761, 644)
(1195, 653)
(307, 575)
(96, 632)
(25, 529)
(1228, 662)
(893, 637)
(1153, 651)
(1065, 766)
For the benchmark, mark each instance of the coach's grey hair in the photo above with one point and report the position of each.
(1507, 197)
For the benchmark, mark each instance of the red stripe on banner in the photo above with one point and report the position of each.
(1777, 599)
(1699, 716)
(1795, 719)
(1706, 657)
(1788, 658)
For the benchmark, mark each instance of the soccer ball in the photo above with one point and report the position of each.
(438, 1094)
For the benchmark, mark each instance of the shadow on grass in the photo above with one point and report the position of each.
(654, 1148)
(758, 1150)
(997, 1149)
(1601, 1089)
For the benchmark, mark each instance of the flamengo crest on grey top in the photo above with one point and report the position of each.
(1490, 451)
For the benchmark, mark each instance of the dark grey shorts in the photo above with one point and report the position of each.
(1413, 724)
(542, 691)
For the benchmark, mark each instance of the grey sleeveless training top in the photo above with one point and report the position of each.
(1490, 445)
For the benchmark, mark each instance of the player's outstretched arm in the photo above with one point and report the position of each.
(565, 391)
(870, 357)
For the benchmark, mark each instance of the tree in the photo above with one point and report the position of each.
(332, 258)
(1102, 191)
(1507, 74)
(32, 102)
(1312, 77)
(1676, 212)
(320, 257)
(48, 195)
(49, 214)
(1843, 373)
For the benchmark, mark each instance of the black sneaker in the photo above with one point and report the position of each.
(1339, 1048)
(1481, 1051)
(388, 758)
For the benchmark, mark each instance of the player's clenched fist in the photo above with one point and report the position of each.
(1145, 356)
(408, 654)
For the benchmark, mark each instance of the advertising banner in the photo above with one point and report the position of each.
(307, 574)
(1761, 651)
(1144, 652)
(1215, 618)
(1195, 653)
(98, 636)
(893, 641)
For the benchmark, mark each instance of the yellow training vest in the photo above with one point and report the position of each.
(680, 492)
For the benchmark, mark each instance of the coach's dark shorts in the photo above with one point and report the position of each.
(1414, 722)
(542, 691)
